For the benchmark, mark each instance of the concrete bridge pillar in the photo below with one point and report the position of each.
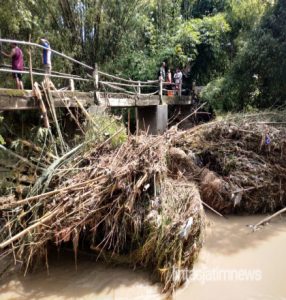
(153, 118)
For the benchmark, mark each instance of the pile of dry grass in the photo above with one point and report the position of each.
(240, 166)
(118, 202)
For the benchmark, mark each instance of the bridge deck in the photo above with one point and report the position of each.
(11, 99)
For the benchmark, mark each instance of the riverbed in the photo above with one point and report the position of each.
(235, 263)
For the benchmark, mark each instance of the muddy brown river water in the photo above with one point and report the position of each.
(235, 264)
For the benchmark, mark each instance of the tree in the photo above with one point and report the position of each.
(257, 77)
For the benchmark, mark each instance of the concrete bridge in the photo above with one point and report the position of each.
(150, 98)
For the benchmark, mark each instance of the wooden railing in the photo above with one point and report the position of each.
(102, 81)
(136, 88)
(52, 50)
(39, 72)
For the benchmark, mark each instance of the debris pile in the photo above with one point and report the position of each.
(119, 203)
(137, 200)
(240, 166)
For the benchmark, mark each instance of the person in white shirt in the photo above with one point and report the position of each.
(178, 76)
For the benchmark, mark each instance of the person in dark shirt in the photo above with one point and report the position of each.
(17, 58)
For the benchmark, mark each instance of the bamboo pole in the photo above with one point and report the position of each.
(85, 112)
(128, 85)
(43, 74)
(269, 218)
(193, 113)
(42, 71)
(212, 209)
(30, 64)
(117, 88)
(22, 233)
(26, 161)
(42, 106)
(126, 80)
(129, 95)
(46, 88)
(124, 91)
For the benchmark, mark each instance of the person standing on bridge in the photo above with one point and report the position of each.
(178, 77)
(169, 76)
(169, 80)
(17, 58)
(162, 72)
(46, 57)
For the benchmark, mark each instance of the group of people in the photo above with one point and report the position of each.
(177, 78)
(17, 60)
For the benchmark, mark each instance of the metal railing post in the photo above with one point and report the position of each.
(96, 76)
(180, 89)
(30, 64)
(72, 85)
(161, 89)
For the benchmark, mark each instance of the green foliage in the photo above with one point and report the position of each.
(212, 93)
(245, 14)
(199, 8)
(104, 126)
(257, 76)
(205, 43)
(236, 48)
